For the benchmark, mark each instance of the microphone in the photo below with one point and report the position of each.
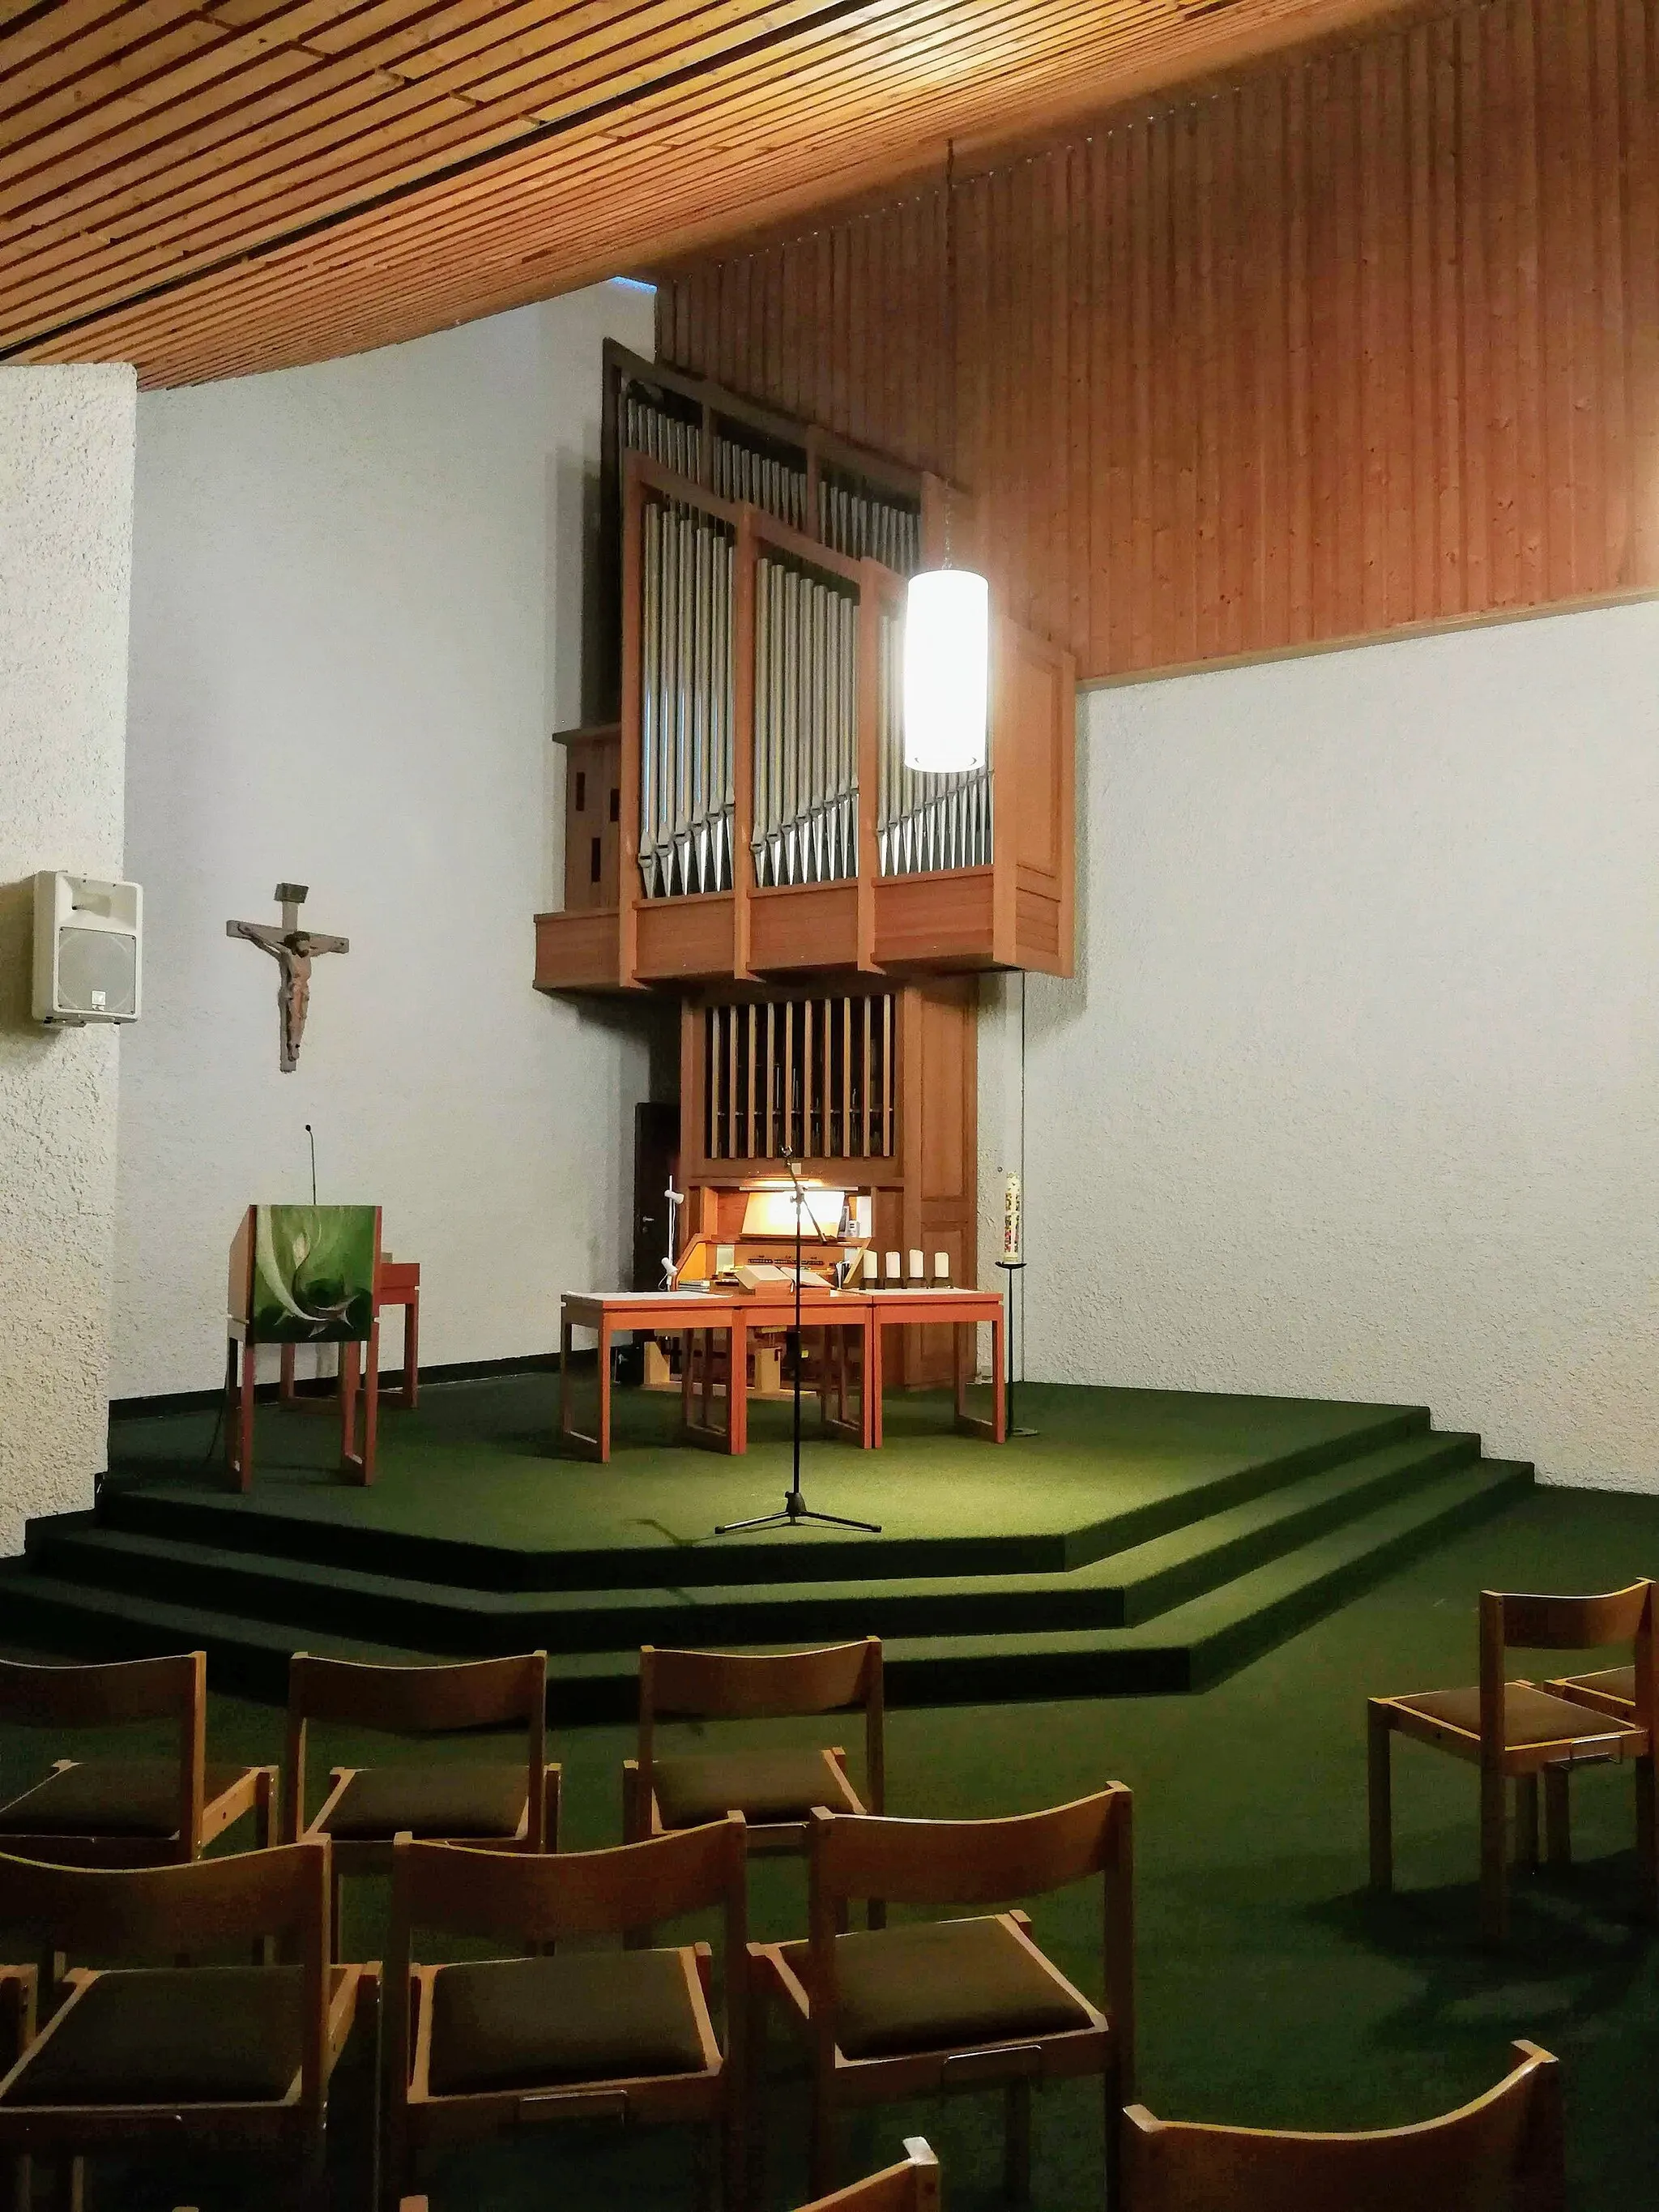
(311, 1134)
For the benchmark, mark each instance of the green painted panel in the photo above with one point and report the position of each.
(313, 1273)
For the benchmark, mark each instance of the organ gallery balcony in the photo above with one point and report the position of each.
(750, 814)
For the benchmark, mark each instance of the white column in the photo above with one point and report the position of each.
(66, 472)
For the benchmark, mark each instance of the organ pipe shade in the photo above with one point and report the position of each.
(947, 660)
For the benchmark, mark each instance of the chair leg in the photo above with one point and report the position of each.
(1557, 1817)
(1526, 1822)
(1017, 2143)
(311, 2177)
(1647, 1833)
(1494, 1839)
(1112, 2088)
(732, 2147)
(754, 2102)
(821, 2139)
(1380, 1780)
(334, 1905)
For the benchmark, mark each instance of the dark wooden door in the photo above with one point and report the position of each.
(656, 1159)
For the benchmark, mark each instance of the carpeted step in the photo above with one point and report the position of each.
(1134, 1585)
(1210, 1636)
(1183, 1565)
(328, 1531)
(1194, 1643)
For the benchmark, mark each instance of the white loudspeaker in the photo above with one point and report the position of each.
(88, 949)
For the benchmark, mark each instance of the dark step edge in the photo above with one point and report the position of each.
(1236, 1644)
(230, 1526)
(1230, 1555)
(1160, 1517)
(605, 1688)
(602, 1687)
(793, 1613)
(100, 1558)
(460, 1564)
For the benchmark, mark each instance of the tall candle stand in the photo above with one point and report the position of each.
(1011, 1263)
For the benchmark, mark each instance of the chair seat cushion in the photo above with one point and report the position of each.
(1611, 1682)
(187, 2035)
(441, 1799)
(585, 2016)
(109, 1797)
(943, 1985)
(1530, 1717)
(762, 1785)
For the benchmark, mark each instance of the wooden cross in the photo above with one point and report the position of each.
(293, 949)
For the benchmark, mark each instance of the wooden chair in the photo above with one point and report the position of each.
(774, 1790)
(910, 2011)
(1515, 1731)
(492, 1806)
(1501, 2154)
(912, 2185)
(126, 1811)
(164, 2055)
(626, 2035)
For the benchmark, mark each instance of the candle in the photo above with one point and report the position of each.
(1011, 1223)
(941, 1267)
(892, 1266)
(872, 1266)
(915, 1266)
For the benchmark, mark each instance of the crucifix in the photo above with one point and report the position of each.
(293, 949)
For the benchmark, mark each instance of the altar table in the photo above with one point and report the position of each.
(734, 1314)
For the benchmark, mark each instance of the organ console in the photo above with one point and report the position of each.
(746, 1242)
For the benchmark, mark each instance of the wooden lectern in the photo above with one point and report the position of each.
(305, 1274)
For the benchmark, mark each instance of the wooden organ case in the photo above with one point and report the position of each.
(821, 910)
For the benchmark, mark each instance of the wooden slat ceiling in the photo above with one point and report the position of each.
(210, 190)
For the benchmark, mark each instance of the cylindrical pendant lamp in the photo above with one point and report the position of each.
(947, 659)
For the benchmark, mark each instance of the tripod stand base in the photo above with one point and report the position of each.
(795, 1511)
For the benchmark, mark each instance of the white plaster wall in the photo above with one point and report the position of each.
(66, 462)
(357, 614)
(1357, 1091)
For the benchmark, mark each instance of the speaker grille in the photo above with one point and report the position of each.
(97, 971)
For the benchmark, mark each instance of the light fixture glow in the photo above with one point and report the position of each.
(947, 640)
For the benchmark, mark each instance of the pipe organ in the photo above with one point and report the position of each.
(743, 831)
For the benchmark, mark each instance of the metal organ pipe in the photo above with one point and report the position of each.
(686, 700)
(923, 822)
(805, 781)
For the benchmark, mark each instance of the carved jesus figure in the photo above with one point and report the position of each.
(293, 949)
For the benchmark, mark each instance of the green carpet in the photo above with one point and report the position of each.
(1272, 1990)
(479, 1464)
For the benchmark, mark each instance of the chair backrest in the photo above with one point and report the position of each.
(160, 1912)
(128, 1691)
(912, 2185)
(1527, 1621)
(978, 1863)
(1501, 2154)
(544, 1897)
(754, 1686)
(472, 1693)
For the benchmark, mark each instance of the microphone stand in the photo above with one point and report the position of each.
(795, 1507)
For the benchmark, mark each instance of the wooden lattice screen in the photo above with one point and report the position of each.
(813, 1076)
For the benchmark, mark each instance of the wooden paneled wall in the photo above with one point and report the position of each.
(1369, 337)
